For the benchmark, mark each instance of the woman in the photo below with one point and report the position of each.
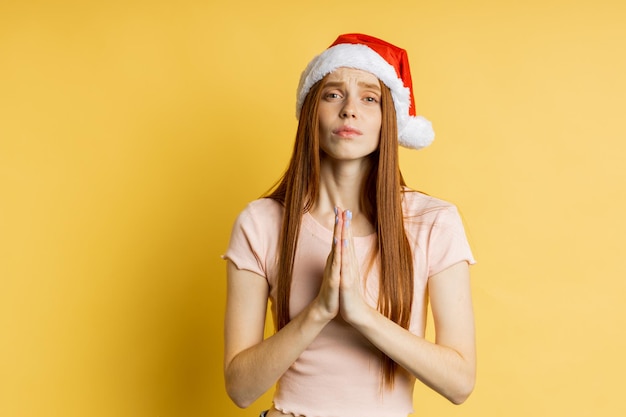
(349, 256)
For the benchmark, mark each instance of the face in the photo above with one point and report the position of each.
(349, 114)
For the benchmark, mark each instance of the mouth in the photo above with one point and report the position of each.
(347, 132)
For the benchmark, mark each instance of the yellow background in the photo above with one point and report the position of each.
(133, 132)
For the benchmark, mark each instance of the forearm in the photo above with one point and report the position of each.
(444, 369)
(256, 369)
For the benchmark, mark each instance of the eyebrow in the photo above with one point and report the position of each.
(336, 84)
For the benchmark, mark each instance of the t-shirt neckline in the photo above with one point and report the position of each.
(324, 233)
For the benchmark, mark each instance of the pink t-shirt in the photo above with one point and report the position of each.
(339, 374)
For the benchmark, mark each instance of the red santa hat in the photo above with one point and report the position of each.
(387, 62)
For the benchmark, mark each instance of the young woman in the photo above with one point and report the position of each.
(349, 256)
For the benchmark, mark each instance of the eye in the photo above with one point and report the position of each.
(371, 99)
(332, 96)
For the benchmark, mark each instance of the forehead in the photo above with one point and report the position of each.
(344, 74)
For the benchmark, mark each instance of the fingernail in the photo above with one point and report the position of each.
(336, 211)
(336, 219)
(335, 240)
(349, 213)
(345, 243)
(347, 223)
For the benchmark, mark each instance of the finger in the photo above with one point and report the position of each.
(337, 233)
(350, 237)
(338, 225)
(348, 256)
(346, 231)
(346, 241)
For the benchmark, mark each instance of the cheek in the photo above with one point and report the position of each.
(376, 122)
(323, 122)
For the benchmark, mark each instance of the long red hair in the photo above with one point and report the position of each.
(381, 202)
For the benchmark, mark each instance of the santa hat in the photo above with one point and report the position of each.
(387, 62)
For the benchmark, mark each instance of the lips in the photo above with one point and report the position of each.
(347, 132)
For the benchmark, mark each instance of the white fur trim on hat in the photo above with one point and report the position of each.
(413, 132)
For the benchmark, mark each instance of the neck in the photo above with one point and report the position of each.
(341, 185)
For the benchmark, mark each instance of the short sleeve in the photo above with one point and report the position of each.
(254, 235)
(448, 243)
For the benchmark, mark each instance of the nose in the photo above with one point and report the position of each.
(348, 110)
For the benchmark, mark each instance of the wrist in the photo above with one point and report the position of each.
(319, 313)
(362, 318)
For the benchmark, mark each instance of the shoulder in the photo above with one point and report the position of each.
(436, 228)
(264, 204)
(257, 224)
(254, 236)
(416, 204)
(263, 209)
(426, 214)
(260, 216)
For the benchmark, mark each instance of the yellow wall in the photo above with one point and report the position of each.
(133, 132)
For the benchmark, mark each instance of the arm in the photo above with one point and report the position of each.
(448, 366)
(252, 365)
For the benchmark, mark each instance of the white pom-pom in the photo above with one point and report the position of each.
(415, 132)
